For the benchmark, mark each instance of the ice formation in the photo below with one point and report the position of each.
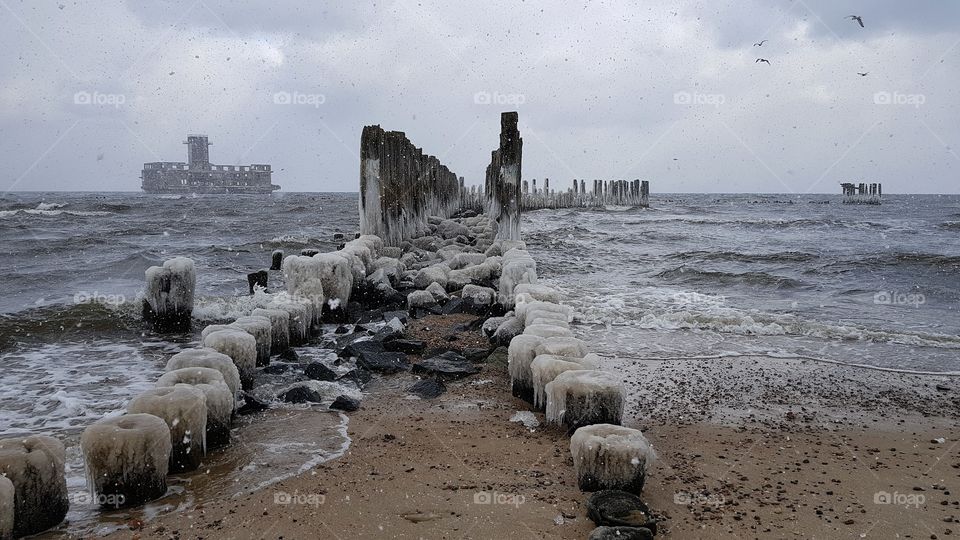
(563, 346)
(279, 328)
(336, 274)
(547, 330)
(520, 354)
(538, 292)
(608, 456)
(584, 397)
(546, 367)
(480, 296)
(298, 319)
(7, 498)
(35, 467)
(168, 297)
(127, 458)
(184, 409)
(420, 299)
(220, 401)
(208, 358)
(260, 329)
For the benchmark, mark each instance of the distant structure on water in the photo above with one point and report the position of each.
(198, 175)
(861, 193)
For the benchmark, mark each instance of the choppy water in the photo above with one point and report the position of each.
(695, 275)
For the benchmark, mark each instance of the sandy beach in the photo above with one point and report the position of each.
(748, 448)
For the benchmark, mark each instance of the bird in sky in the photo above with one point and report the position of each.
(856, 18)
(864, 74)
(763, 60)
(762, 41)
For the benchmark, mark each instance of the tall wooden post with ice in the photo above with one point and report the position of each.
(503, 180)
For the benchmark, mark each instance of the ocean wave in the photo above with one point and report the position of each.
(942, 263)
(686, 274)
(950, 225)
(48, 212)
(736, 256)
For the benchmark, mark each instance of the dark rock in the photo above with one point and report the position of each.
(390, 315)
(301, 394)
(372, 356)
(509, 329)
(475, 354)
(359, 376)
(428, 388)
(498, 357)
(276, 369)
(320, 372)
(453, 305)
(276, 260)
(309, 252)
(621, 533)
(251, 405)
(449, 365)
(257, 278)
(345, 403)
(371, 316)
(289, 355)
(421, 312)
(943, 388)
(615, 508)
(347, 340)
(338, 236)
(342, 329)
(409, 346)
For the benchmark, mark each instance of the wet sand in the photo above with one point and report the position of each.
(748, 448)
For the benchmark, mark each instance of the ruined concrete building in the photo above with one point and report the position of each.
(198, 175)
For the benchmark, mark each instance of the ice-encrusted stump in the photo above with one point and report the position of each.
(184, 409)
(219, 400)
(208, 358)
(545, 368)
(7, 498)
(607, 456)
(302, 276)
(240, 346)
(538, 292)
(584, 397)
(298, 319)
(168, 297)
(35, 467)
(260, 329)
(279, 328)
(547, 329)
(520, 354)
(400, 187)
(336, 274)
(503, 178)
(127, 459)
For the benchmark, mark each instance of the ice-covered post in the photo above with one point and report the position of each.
(168, 298)
(503, 179)
(645, 193)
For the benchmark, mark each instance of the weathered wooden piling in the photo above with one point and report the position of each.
(503, 177)
(400, 186)
(861, 193)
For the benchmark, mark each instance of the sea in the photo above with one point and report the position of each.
(692, 276)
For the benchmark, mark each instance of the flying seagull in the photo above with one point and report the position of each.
(856, 18)
(862, 74)
(762, 41)
(763, 60)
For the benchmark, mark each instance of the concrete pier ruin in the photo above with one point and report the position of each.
(862, 193)
(400, 186)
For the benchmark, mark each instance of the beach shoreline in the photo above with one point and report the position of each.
(457, 467)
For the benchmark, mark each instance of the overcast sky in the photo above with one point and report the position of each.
(669, 91)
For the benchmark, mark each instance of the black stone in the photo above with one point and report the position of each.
(449, 365)
(428, 388)
(371, 316)
(301, 394)
(251, 405)
(453, 305)
(372, 356)
(621, 533)
(276, 260)
(338, 236)
(409, 346)
(320, 372)
(345, 403)
(359, 376)
(342, 330)
(289, 355)
(257, 278)
(615, 508)
(475, 354)
(390, 315)
(275, 369)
